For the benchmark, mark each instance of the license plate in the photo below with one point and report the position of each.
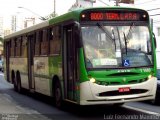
(125, 89)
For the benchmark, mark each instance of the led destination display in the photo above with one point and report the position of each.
(114, 16)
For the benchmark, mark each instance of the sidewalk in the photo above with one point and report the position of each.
(10, 110)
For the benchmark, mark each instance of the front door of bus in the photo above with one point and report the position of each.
(30, 61)
(70, 63)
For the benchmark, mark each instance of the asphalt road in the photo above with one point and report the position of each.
(15, 106)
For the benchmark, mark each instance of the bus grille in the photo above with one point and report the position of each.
(117, 93)
(107, 83)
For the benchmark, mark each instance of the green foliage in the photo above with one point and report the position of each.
(52, 15)
(1, 40)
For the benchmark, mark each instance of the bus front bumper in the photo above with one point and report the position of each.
(92, 93)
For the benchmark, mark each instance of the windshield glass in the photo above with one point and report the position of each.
(116, 46)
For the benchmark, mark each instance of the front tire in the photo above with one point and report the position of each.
(156, 101)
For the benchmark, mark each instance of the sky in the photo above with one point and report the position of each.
(41, 7)
(45, 7)
(37, 8)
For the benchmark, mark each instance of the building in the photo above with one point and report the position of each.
(1, 26)
(82, 4)
(7, 32)
(152, 6)
(1, 35)
(29, 22)
(13, 23)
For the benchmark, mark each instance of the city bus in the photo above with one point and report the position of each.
(88, 56)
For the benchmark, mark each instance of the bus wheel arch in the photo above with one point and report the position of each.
(57, 91)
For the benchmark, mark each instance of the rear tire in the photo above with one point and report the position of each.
(15, 86)
(19, 88)
(58, 95)
(14, 81)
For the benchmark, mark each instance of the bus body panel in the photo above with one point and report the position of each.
(20, 65)
(82, 90)
(93, 90)
(41, 74)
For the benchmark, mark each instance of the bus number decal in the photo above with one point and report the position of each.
(96, 16)
(147, 70)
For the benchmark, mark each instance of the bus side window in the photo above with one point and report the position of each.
(24, 47)
(12, 50)
(15, 47)
(18, 46)
(50, 33)
(9, 47)
(44, 42)
(37, 44)
(52, 37)
(55, 42)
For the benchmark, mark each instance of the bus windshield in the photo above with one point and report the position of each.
(117, 46)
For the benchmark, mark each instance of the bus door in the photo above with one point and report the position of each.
(31, 39)
(70, 63)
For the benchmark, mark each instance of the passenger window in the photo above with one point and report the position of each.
(55, 42)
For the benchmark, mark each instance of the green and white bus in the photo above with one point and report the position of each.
(87, 56)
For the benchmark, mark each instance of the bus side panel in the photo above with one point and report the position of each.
(20, 64)
(41, 73)
(55, 69)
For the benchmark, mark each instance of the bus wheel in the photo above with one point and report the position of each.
(14, 81)
(15, 86)
(155, 101)
(19, 88)
(58, 95)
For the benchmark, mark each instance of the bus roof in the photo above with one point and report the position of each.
(27, 30)
(68, 16)
(73, 15)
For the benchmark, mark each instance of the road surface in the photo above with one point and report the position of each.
(15, 106)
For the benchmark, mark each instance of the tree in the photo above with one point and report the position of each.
(127, 1)
(1, 40)
(52, 15)
(1, 46)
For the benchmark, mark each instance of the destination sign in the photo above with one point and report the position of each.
(114, 16)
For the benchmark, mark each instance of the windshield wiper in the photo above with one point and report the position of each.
(126, 42)
(126, 37)
(114, 39)
(130, 30)
(104, 30)
(107, 33)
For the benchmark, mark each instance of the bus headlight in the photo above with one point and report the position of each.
(92, 80)
(150, 76)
